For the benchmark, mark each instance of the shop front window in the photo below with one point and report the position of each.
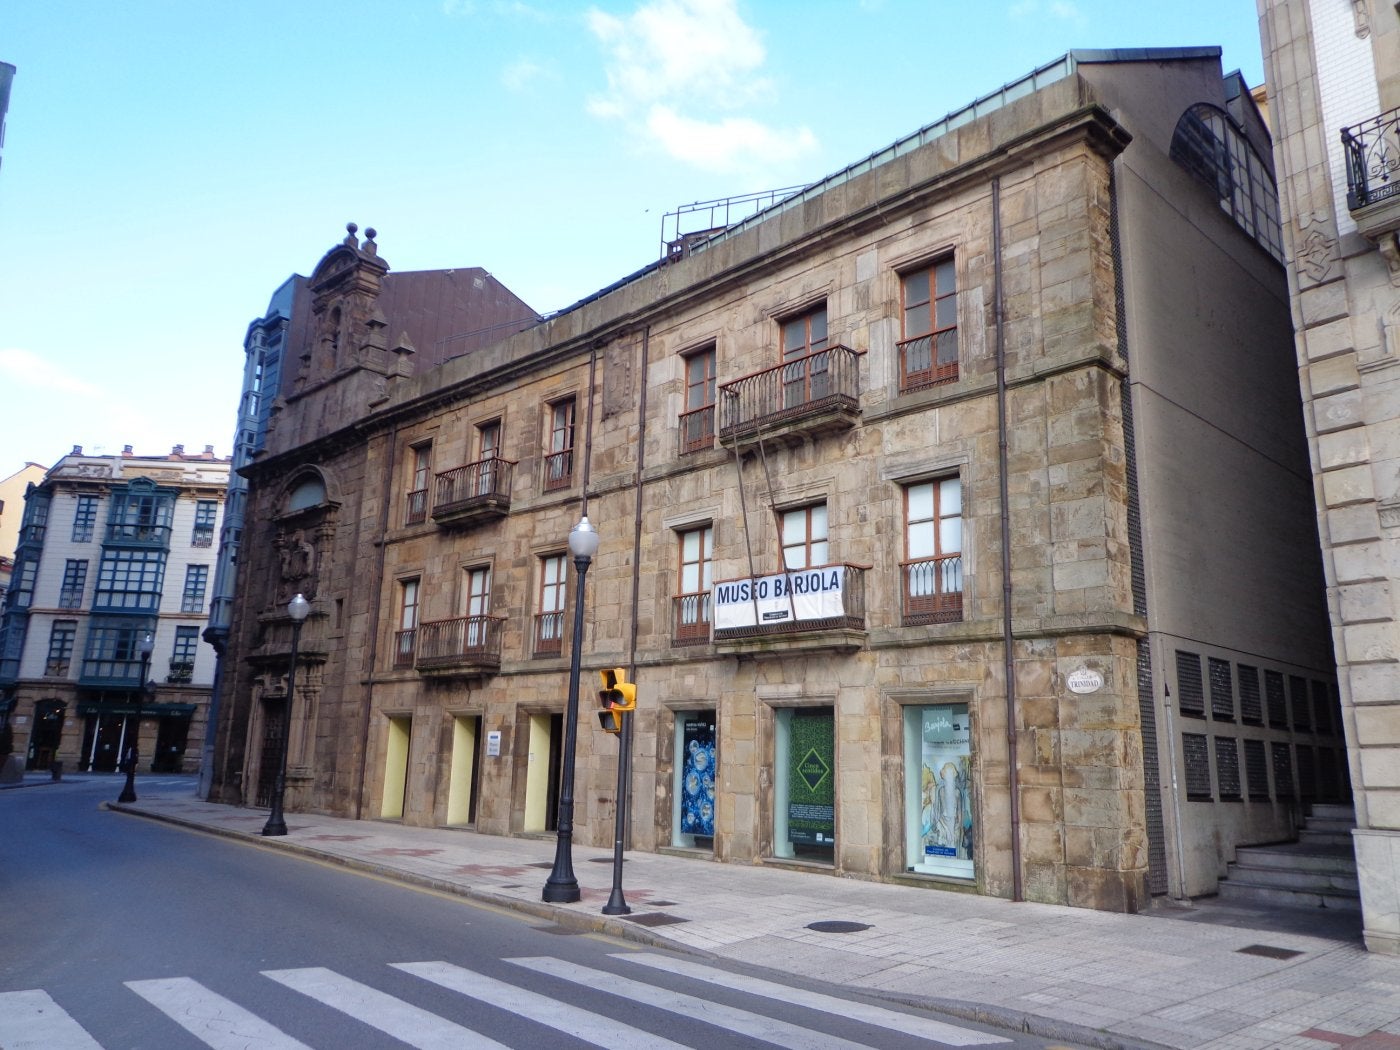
(804, 789)
(693, 811)
(938, 790)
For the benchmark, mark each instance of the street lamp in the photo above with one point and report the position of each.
(128, 794)
(298, 609)
(561, 887)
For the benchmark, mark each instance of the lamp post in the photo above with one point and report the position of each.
(561, 887)
(298, 609)
(132, 756)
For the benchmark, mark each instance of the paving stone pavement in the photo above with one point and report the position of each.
(1207, 976)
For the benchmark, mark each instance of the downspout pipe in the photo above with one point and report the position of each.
(1008, 640)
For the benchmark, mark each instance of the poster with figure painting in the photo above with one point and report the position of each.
(946, 822)
(698, 778)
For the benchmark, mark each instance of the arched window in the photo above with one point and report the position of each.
(1210, 147)
(309, 492)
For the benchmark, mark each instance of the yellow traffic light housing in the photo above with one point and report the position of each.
(618, 696)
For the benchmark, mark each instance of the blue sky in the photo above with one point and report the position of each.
(168, 163)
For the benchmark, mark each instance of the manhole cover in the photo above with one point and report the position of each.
(655, 918)
(1269, 951)
(603, 860)
(838, 926)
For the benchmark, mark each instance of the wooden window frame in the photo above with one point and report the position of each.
(933, 373)
(697, 422)
(939, 603)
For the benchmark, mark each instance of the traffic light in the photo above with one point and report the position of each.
(617, 696)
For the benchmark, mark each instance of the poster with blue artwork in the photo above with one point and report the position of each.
(698, 778)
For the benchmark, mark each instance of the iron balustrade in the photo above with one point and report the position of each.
(690, 620)
(697, 429)
(929, 360)
(405, 643)
(559, 470)
(180, 671)
(851, 617)
(1372, 151)
(819, 381)
(416, 507)
(460, 640)
(487, 480)
(549, 633)
(933, 589)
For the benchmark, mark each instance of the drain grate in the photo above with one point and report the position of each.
(838, 926)
(603, 860)
(655, 918)
(1268, 951)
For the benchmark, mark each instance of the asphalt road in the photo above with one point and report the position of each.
(118, 932)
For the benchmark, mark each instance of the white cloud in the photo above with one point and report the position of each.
(519, 74)
(678, 69)
(727, 145)
(27, 369)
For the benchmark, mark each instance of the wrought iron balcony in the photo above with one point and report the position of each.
(690, 618)
(821, 608)
(415, 507)
(933, 590)
(697, 430)
(801, 398)
(1372, 153)
(463, 647)
(181, 671)
(549, 633)
(404, 646)
(559, 470)
(474, 493)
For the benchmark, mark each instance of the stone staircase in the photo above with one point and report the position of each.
(1317, 871)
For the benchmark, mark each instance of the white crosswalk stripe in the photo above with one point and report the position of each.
(211, 1018)
(923, 1027)
(33, 1021)
(404, 1021)
(730, 1018)
(573, 1020)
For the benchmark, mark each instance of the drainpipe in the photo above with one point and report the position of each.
(1008, 640)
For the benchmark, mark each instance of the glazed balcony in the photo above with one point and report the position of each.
(463, 647)
(1372, 151)
(475, 493)
(138, 535)
(821, 608)
(795, 401)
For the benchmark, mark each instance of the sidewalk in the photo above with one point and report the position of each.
(1229, 979)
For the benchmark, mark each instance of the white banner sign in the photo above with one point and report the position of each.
(802, 594)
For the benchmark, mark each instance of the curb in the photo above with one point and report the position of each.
(999, 1017)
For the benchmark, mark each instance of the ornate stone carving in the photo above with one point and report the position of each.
(1315, 249)
(1362, 16)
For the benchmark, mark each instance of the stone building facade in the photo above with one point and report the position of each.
(954, 512)
(112, 549)
(1333, 70)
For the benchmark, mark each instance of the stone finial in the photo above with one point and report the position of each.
(370, 248)
(350, 230)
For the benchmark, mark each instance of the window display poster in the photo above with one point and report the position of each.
(946, 786)
(698, 777)
(811, 779)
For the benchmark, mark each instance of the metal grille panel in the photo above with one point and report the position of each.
(1283, 770)
(1251, 703)
(1278, 702)
(1191, 697)
(1195, 750)
(1222, 691)
(1227, 768)
(1256, 770)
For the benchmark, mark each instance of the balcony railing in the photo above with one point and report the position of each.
(56, 668)
(404, 644)
(933, 590)
(476, 492)
(690, 618)
(1372, 153)
(929, 360)
(415, 509)
(462, 645)
(181, 671)
(142, 535)
(559, 470)
(697, 430)
(549, 633)
(202, 536)
(821, 607)
(806, 395)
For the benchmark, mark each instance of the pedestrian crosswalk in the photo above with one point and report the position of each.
(33, 1020)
